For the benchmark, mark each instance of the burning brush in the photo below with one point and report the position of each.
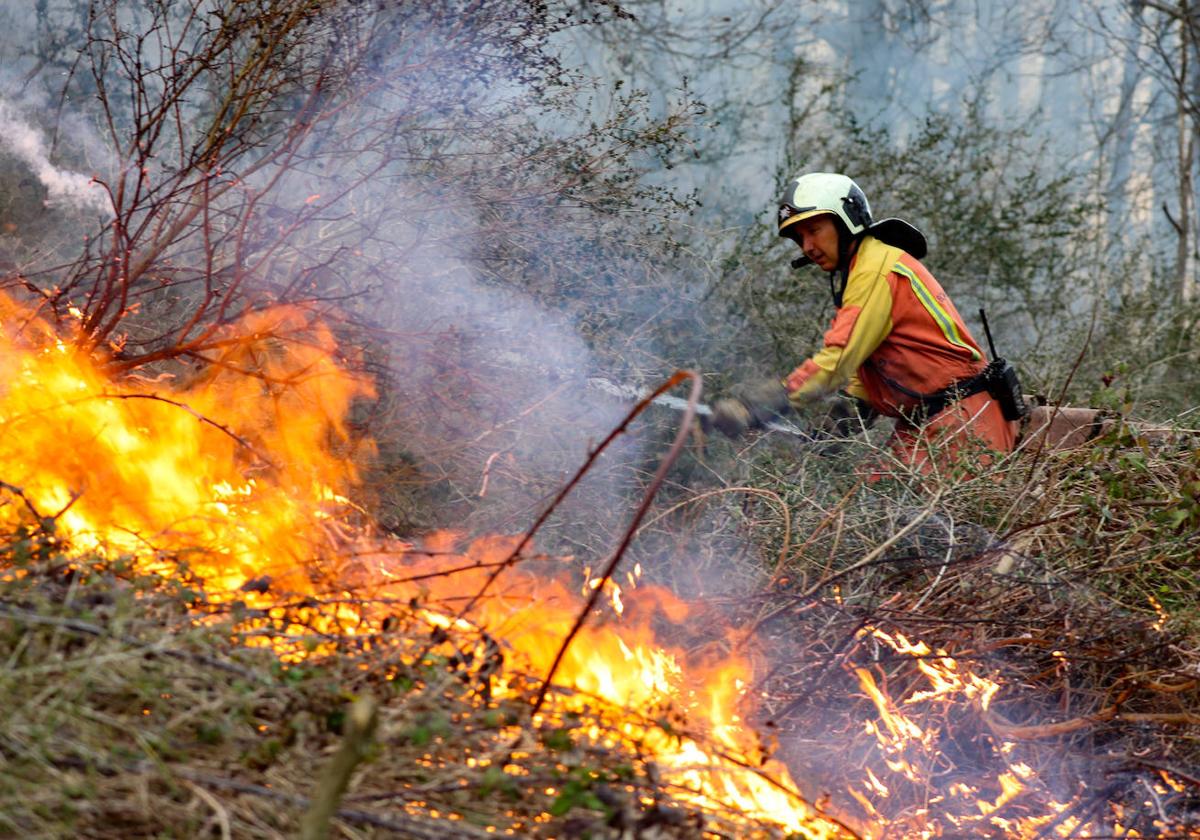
(239, 480)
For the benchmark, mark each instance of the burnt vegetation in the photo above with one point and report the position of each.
(481, 224)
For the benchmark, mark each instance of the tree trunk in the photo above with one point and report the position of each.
(1121, 134)
(1185, 264)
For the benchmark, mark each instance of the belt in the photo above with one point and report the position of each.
(931, 405)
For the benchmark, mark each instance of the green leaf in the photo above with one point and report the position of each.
(558, 739)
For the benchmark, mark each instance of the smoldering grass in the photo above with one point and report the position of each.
(138, 710)
(133, 713)
(1070, 580)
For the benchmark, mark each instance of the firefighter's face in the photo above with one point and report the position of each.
(817, 237)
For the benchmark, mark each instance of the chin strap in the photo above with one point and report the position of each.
(837, 289)
(841, 275)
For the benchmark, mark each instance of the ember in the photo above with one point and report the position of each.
(239, 477)
(235, 472)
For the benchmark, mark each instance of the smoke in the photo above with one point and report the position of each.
(452, 250)
(486, 389)
(491, 280)
(62, 186)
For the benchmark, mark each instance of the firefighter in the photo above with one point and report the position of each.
(897, 345)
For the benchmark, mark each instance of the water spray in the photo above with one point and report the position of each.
(630, 393)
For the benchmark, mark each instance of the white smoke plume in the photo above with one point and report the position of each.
(27, 144)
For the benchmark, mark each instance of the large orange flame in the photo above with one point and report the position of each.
(235, 470)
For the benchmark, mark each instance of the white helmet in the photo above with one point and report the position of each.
(825, 192)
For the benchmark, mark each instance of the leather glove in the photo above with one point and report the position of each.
(731, 417)
(766, 401)
(751, 406)
(845, 417)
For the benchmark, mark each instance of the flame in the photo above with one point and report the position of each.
(680, 707)
(232, 470)
(235, 470)
(243, 471)
(910, 750)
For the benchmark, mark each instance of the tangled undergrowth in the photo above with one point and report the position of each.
(1067, 577)
(140, 706)
(137, 708)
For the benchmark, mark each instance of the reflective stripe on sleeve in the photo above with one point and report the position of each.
(940, 315)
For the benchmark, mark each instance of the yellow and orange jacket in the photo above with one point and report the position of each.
(895, 337)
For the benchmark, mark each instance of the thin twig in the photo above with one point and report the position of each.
(527, 538)
(220, 426)
(20, 494)
(750, 491)
(76, 626)
(660, 475)
(219, 810)
(415, 829)
(866, 561)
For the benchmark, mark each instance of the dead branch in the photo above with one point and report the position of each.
(360, 725)
(681, 437)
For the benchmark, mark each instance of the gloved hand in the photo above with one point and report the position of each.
(766, 400)
(845, 417)
(751, 406)
(731, 417)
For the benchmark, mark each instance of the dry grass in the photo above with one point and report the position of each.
(1069, 578)
(135, 707)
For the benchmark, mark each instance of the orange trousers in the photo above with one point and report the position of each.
(969, 432)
